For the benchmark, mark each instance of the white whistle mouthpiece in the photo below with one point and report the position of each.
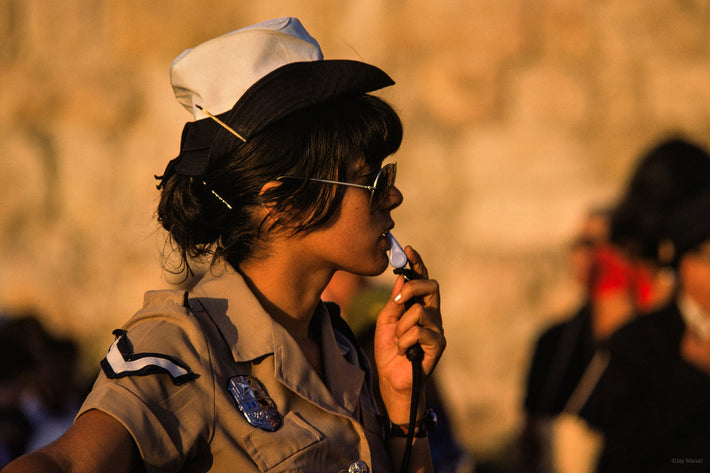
(398, 258)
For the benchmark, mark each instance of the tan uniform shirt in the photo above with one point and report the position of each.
(171, 368)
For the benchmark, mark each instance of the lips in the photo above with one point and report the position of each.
(384, 234)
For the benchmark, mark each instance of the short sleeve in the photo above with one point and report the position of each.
(170, 421)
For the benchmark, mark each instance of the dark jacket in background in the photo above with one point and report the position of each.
(652, 407)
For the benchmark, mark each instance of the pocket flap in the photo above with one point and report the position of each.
(268, 449)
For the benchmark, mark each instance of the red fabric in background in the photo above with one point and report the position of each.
(613, 271)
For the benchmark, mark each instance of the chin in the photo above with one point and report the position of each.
(374, 269)
(381, 268)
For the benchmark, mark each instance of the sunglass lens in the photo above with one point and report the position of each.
(383, 183)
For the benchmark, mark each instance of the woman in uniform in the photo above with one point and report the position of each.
(279, 183)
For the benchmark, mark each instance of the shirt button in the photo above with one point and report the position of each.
(358, 466)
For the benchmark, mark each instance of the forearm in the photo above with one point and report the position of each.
(95, 442)
(34, 462)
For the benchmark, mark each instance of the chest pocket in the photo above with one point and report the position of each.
(286, 449)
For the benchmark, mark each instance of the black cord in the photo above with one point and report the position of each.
(415, 354)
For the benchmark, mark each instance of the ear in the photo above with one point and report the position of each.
(265, 189)
(265, 209)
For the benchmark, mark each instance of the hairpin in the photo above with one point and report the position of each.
(227, 127)
(214, 193)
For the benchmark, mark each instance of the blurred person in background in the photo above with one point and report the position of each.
(16, 364)
(41, 386)
(561, 356)
(280, 182)
(652, 403)
(630, 275)
(626, 275)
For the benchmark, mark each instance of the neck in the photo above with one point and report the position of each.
(287, 288)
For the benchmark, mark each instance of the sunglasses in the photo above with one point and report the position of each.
(379, 189)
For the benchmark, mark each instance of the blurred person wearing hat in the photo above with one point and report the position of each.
(279, 183)
(628, 275)
(652, 404)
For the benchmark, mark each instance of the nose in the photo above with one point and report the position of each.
(394, 198)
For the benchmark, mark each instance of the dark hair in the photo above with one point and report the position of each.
(322, 142)
(668, 175)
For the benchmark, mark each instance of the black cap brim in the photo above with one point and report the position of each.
(290, 88)
(299, 85)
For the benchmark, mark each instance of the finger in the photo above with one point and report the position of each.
(416, 262)
(397, 286)
(425, 291)
(432, 342)
(393, 309)
(417, 315)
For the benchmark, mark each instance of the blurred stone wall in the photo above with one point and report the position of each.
(518, 117)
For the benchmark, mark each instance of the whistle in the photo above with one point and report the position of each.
(398, 258)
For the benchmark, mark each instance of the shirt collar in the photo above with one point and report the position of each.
(232, 306)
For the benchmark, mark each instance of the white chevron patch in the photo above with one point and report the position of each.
(120, 361)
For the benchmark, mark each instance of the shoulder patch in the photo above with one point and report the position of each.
(120, 361)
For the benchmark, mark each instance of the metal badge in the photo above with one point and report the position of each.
(254, 402)
(358, 466)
